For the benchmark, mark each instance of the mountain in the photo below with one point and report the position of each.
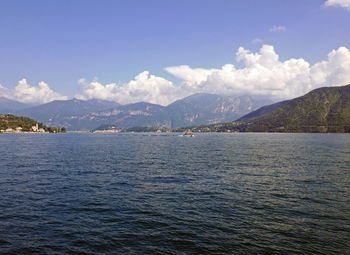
(9, 106)
(197, 109)
(262, 111)
(192, 110)
(321, 110)
(61, 112)
(200, 109)
(125, 116)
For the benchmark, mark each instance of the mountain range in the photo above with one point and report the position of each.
(197, 109)
(65, 113)
(321, 110)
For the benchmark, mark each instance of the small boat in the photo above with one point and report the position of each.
(188, 133)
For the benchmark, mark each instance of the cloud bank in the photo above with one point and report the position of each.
(144, 87)
(25, 93)
(263, 74)
(342, 3)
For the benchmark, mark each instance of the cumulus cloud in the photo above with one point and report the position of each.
(4, 92)
(278, 29)
(334, 71)
(195, 76)
(26, 93)
(342, 3)
(265, 74)
(144, 87)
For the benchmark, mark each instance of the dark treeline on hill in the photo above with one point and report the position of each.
(8, 121)
(323, 110)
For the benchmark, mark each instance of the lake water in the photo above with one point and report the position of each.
(167, 194)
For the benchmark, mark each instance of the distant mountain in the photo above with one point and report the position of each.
(126, 116)
(9, 106)
(321, 110)
(193, 110)
(262, 111)
(61, 112)
(200, 109)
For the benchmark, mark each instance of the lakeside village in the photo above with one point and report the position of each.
(33, 129)
(19, 129)
(14, 124)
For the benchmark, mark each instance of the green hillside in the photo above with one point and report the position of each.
(11, 121)
(321, 110)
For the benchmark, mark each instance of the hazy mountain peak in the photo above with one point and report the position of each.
(8, 105)
(197, 109)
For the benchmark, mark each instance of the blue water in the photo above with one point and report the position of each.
(167, 194)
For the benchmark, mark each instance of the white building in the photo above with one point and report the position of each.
(35, 128)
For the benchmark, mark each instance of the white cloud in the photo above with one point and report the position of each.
(25, 93)
(193, 76)
(257, 40)
(265, 74)
(278, 29)
(334, 71)
(144, 87)
(4, 92)
(342, 3)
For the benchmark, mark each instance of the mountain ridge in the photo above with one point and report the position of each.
(324, 109)
(262, 111)
(8, 105)
(200, 108)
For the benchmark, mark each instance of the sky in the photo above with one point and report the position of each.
(159, 51)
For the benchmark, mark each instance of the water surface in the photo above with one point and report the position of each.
(167, 194)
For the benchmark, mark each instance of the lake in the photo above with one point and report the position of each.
(144, 193)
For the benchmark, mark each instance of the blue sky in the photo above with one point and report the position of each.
(60, 42)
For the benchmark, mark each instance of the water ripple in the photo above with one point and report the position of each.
(163, 194)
